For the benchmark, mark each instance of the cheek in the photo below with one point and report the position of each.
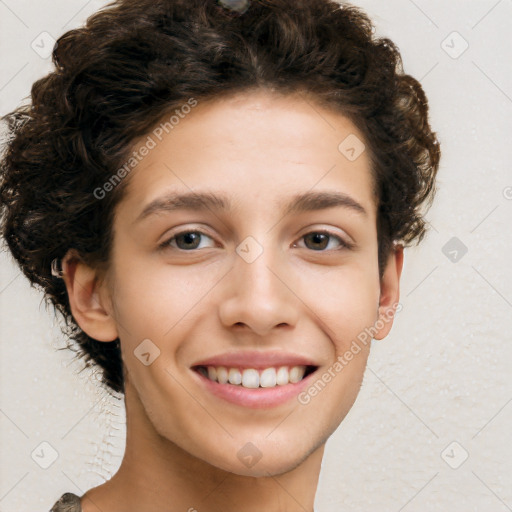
(154, 301)
(345, 302)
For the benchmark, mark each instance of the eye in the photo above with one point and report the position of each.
(316, 240)
(319, 240)
(186, 240)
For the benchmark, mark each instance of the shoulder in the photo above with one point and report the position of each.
(68, 502)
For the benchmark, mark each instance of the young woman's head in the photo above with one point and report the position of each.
(228, 191)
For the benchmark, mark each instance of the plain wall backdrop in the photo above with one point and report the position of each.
(431, 428)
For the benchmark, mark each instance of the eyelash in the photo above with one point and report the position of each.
(343, 244)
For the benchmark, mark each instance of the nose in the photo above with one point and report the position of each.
(259, 296)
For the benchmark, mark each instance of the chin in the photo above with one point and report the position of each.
(263, 459)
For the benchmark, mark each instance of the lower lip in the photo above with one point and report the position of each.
(257, 398)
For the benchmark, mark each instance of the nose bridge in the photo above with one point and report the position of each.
(258, 296)
(253, 269)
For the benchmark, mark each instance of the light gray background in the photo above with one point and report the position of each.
(442, 376)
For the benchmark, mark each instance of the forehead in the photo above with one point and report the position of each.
(256, 146)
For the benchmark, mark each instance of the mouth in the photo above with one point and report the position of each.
(254, 378)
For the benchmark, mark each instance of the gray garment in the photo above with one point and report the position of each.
(68, 502)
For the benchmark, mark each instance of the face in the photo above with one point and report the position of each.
(269, 279)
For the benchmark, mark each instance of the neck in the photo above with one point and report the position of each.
(156, 475)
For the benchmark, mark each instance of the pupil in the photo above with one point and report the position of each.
(189, 238)
(319, 238)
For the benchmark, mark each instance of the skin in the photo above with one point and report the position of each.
(299, 296)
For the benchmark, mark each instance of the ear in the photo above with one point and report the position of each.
(389, 291)
(88, 298)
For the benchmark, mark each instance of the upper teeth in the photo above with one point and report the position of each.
(252, 378)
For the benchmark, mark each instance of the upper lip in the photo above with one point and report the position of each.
(256, 360)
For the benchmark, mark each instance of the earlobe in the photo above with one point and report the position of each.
(88, 298)
(389, 292)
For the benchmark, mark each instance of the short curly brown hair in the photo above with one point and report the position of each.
(135, 60)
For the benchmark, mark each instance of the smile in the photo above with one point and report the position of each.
(252, 378)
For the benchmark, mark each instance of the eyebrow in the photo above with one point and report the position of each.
(200, 201)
